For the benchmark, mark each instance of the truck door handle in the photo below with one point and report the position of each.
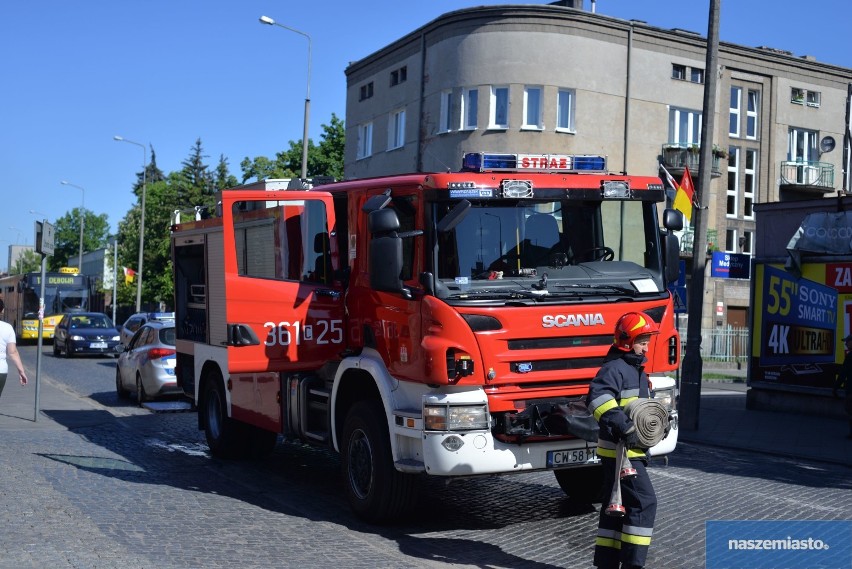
(242, 335)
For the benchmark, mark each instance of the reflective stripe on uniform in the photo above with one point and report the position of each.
(603, 404)
(607, 542)
(635, 539)
(623, 402)
(607, 449)
(637, 530)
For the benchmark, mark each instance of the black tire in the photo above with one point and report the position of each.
(141, 396)
(582, 484)
(56, 349)
(376, 491)
(68, 353)
(119, 388)
(223, 434)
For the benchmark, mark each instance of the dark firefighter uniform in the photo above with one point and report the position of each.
(625, 539)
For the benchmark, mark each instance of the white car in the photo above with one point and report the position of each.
(132, 324)
(146, 365)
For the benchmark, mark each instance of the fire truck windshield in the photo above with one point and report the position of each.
(575, 243)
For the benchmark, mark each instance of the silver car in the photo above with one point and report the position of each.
(132, 324)
(147, 364)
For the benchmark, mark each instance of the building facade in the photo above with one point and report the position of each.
(556, 79)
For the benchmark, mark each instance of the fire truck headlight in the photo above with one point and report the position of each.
(455, 417)
(666, 397)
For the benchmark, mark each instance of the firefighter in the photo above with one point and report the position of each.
(622, 542)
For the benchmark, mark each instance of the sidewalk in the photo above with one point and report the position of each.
(17, 406)
(723, 421)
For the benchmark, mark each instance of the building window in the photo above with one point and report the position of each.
(750, 183)
(813, 98)
(678, 71)
(746, 242)
(365, 140)
(470, 108)
(696, 75)
(730, 240)
(366, 91)
(797, 96)
(751, 114)
(565, 110)
(499, 107)
(684, 126)
(802, 145)
(532, 108)
(736, 104)
(733, 191)
(396, 129)
(446, 111)
(398, 76)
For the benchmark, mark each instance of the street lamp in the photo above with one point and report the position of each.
(141, 220)
(82, 221)
(269, 21)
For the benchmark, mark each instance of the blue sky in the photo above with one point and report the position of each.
(166, 72)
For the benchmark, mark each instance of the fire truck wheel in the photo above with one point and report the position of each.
(222, 432)
(581, 484)
(376, 491)
(119, 388)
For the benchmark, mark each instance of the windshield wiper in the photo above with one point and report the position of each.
(501, 294)
(600, 287)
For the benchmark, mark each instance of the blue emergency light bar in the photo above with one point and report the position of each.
(492, 162)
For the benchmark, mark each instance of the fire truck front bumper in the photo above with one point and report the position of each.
(474, 453)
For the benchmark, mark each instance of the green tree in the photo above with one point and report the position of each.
(67, 236)
(29, 261)
(323, 160)
(223, 177)
(193, 185)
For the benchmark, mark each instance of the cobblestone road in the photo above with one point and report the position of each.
(108, 485)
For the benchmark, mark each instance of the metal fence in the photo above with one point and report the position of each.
(728, 346)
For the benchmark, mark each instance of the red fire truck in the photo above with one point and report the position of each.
(441, 324)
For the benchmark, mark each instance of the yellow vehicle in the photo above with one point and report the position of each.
(64, 291)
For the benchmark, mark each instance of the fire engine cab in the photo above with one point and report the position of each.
(443, 324)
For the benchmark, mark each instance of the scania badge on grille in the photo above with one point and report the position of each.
(525, 367)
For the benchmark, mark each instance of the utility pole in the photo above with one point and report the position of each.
(690, 390)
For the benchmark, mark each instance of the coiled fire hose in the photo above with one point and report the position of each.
(651, 420)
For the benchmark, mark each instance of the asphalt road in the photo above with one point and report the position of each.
(130, 488)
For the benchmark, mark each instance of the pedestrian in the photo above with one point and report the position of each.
(9, 351)
(842, 381)
(623, 540)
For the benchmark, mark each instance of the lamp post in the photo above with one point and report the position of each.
(82, 221)
(141, 220)
(269, 21)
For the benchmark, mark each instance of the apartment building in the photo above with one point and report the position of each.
(552, 78)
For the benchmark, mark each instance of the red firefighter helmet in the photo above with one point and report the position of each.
(630, 326)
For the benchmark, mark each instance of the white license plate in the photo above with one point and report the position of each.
(560, 458)
(98, 345)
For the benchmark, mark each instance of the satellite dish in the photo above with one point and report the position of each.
(826, 144)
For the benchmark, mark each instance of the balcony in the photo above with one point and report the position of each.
(677, 157)
(807, 177)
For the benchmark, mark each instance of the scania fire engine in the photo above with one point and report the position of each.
(445, 324)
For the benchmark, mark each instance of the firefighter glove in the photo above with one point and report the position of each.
(630, 437)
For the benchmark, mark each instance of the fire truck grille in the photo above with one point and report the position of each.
(556, 365)
(562, 342)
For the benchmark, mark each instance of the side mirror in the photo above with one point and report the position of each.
(672, 219)
(672, 259)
